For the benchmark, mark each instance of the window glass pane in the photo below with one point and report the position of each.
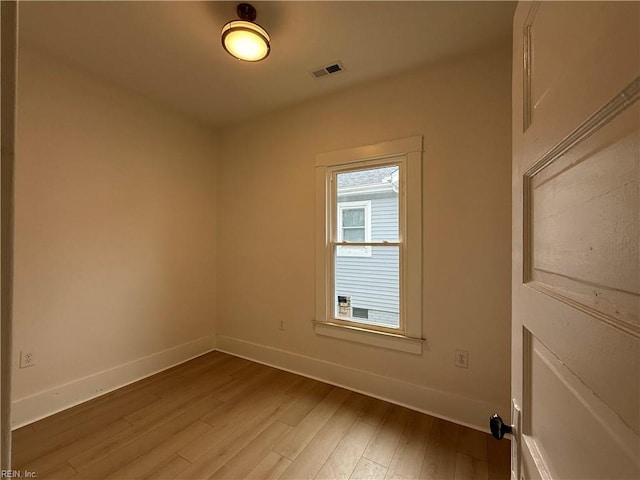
(370, 284)
(353, 235)
(381, 187)
(353, 217)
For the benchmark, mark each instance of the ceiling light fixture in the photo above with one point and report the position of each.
(244, 39)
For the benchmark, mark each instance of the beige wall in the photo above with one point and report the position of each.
(115, 235)
(123, 225)
(266, 234)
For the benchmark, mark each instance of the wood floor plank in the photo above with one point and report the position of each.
(344, 458)
(68, 419)
(231, 419)
(147, 385)
(177, 401)
(473, 443)
(383, 444)
(99, 450)
(154, 382)
(302, 434)
(209, 453)
(304, 385)
(310, 460)
(237, 368)
(241, 464)
(212, 365)
(282, 381)
(163, 452)
(115, 407)
(57, 435)
(227, 367)
(62, 472)
(269, 468)
(305, 401)
(229, 412)
(376, 412)
(165, 385)
(58, 458)
(368, 470)
(168, 469)
(240, 386)
(104, 461)
(409, 455)
(499, 458)
(470, 468)
(25, 433)
(439, 461)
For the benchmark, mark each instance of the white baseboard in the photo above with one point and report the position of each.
(34, 407)
(448, 406)
(456, 408)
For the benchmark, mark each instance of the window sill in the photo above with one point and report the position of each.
(379, 339)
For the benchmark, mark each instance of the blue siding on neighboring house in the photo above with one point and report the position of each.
(379, 294)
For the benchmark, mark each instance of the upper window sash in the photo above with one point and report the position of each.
(334, 220)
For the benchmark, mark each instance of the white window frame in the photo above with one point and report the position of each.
(353, 251)
(408, 154)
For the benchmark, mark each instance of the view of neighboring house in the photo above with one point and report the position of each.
(367, 211)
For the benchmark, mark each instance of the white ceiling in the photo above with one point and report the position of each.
(171, 51)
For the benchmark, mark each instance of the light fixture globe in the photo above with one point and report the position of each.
(244, 39)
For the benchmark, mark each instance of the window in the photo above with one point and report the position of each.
(368, 259)
(360, 312)
(372, 281)
(354, 226)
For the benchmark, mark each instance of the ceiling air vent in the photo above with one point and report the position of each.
(330, 69)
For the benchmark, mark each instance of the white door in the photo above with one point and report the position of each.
(576, 215)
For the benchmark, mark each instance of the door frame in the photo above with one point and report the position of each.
(8, 70)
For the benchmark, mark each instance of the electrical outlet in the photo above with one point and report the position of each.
(27, 359)
(280, 324)
(462, 359)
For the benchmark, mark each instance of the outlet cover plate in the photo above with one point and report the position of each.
(27, 359)
(462, 359)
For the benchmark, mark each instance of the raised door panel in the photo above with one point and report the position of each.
(570, 431)
(584, 223)
(574, 64)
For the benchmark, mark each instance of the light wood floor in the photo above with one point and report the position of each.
(220, 416)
